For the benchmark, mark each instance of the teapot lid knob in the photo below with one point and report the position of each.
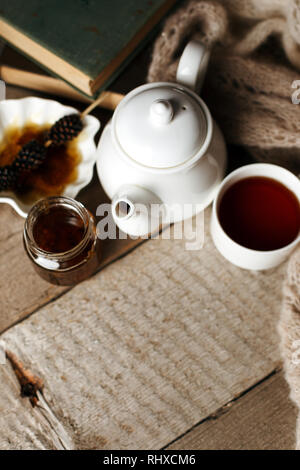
(161, 112)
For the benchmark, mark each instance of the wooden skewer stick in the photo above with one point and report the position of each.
(54, 86)
(95, 103)
(84, 113)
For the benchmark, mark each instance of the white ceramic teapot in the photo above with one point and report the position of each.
(162, 147)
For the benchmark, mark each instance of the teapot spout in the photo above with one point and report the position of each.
(136, 211)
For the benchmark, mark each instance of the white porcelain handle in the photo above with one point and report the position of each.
(192, 65)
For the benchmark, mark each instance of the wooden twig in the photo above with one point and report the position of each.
(30, 384)
(101, 98)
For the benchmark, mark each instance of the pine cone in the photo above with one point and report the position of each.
(8, 178)
(30, 157)
(66, 128)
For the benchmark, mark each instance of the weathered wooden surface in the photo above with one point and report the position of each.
(151, 345)
(262, 419)
(24, 427)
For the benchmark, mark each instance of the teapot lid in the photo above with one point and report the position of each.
(160, 125)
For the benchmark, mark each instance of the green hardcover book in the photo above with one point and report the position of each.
(85, 42)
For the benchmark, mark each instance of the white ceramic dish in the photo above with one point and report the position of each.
(41, 111)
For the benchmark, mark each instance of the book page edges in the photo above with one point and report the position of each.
(45, 57)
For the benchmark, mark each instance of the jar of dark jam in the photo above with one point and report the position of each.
(60, 239)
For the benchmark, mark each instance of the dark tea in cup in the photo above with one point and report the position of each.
(260, 213)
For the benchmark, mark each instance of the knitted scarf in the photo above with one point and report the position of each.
(289, 330)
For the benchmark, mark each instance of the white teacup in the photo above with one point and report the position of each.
(239, 255)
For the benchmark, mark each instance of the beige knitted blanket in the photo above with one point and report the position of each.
(289, 330)
(255, 59)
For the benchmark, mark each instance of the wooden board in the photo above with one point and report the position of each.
(26, 427)
(263, 419)
(152, 345)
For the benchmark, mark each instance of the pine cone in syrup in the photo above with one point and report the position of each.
(30, 157)
(65, 129)
(8, 178)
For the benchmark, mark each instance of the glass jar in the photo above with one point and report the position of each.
(60, 239)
